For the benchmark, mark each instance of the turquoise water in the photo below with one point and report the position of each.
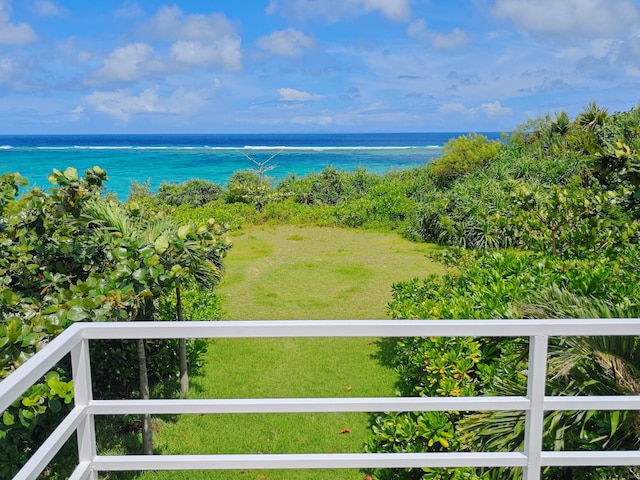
(176, 158)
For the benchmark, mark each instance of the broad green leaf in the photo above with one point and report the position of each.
(183, 231)
(71, 174)
(161, 244)
(77, 314)
(31, 401)
(7, 418)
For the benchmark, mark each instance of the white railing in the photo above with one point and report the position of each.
(75, 340)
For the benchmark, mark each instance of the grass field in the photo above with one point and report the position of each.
(295, 273)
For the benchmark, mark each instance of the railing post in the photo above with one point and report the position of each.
(83, 394)
(534, 426)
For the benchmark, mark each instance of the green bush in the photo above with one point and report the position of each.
(101, 261)
(503, 284)
(194, 192)
(461, 156)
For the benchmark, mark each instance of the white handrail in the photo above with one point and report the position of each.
(75, 341)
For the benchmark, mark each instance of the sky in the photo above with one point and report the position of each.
(276, 66)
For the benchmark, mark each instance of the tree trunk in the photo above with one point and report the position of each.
(182, 351)
(147, 431)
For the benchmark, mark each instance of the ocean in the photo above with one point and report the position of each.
(176, 158)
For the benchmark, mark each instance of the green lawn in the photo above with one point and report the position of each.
(295, 273)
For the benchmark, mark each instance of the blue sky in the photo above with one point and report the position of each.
(245, 66)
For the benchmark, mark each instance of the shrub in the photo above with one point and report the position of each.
(461, 156)
(194, 192)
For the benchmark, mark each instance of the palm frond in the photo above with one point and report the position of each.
(108, 215)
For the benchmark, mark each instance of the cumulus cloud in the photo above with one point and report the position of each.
(128, 64)
(287, 43)
(171, 23)
(18, 75)
(45, 8)
(334, 10)
(224, 53)
(570, 17)
(199, 40)
(13, 33)
(293, 95)
(122, 106)
(491, 110)
(457, 38)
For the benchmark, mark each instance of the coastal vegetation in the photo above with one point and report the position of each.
(543, 224)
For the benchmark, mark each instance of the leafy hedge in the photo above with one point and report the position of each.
(565, 194)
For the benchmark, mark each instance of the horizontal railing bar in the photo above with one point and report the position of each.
(308, 461)
(300, 405)
(82, 471)
(361, 328)
(38, 365)
(591, 459)
(43, 456)
(604, 402)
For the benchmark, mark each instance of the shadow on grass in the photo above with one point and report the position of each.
(386, 354)
(121, 435)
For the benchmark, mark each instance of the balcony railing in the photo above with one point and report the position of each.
(75, 340)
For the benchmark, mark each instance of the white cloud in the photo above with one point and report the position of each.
(627, 55)
(129, 10)
(77, 114)
(392, 9)
(122, 106)
(293, 95)
(491, 110)
(457, 38)
(224, 53)
(417, 29)
(494, 109)
(171, 23)
(199, 40)
(128, 64)
(7, 70)
(45, 8)
(334, 10)
(17, 75)
(69, 52)
(587, 18)
(11, 33)
(446, 41)
(287, 43)
(271, 8)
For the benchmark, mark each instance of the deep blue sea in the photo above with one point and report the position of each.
(176, 158)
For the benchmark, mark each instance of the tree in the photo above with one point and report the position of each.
(592, 116)
(92, 266)
(183, 250)
(263, 167)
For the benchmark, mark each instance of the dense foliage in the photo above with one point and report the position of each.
(101, 261)
(564, 194)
